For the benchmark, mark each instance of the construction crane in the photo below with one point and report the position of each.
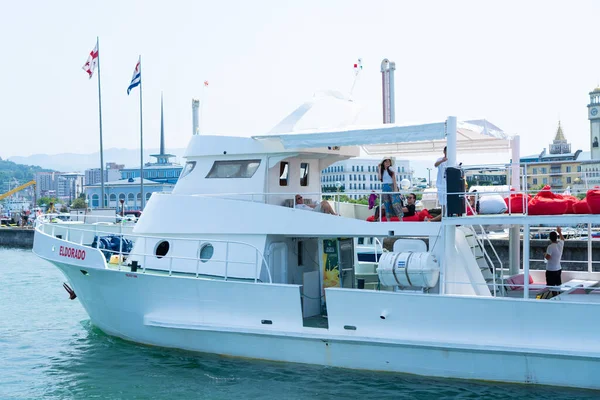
(17, 189)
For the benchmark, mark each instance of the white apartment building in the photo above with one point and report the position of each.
(92, 175)
(358, 176)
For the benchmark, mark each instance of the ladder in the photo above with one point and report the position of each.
(481, 257)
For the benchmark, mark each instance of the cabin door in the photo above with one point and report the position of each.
(346, 262)
(278, 262)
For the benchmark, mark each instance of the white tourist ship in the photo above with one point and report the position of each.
(243, 273)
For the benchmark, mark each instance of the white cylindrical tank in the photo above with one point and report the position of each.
(408, 269)
(195, 106)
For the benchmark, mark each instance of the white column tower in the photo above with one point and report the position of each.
(594, 117)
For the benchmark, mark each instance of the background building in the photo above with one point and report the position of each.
(127, 190)
(559, 168)
(162, 170)
(590, 169)
(92, 175)
(358, 176)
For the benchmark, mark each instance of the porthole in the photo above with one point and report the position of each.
(162, 248)
(206, 252)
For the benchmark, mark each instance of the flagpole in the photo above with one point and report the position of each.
(100, 118)
(141, 143)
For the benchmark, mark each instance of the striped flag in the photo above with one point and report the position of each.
(136, 79)
(92, 62)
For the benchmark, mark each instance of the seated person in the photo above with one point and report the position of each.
(409, 208)
(473, 203)
(323, 206)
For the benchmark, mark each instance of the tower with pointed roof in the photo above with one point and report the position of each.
(560, 144)
(162, 158)
(594, 117)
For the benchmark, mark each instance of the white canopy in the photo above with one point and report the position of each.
(477, 136)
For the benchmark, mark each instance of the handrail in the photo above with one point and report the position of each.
(96, 232)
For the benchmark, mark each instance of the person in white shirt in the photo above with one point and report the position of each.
(440, 184)
(553, 256)
(441, 164)
(323, 206)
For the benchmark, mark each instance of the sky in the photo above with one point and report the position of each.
(523, 65)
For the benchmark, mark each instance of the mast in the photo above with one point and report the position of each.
(142, 202)
(100, 119)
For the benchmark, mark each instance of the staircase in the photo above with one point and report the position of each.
(481, 257)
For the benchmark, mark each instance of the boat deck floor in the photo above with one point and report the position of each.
(317, 321)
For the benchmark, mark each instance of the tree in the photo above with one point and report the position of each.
(78, 203)
(47, 200)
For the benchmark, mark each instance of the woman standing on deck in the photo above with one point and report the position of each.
(391, 202)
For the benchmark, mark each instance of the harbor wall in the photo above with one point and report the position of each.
(575, 253)
(16, 237)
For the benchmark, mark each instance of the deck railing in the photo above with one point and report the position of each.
(79, 233)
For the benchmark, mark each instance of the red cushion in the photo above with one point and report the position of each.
(581, 207)
(414, 218)
(514, 203)
(517, 282)
(571, 201)
(424, 214)
(593, 200)
(547, 206)
(371, 218)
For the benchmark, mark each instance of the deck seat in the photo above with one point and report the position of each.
(516, 283)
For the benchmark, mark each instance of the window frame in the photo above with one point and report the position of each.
(284, 167)
(304, 176)
(242, 173)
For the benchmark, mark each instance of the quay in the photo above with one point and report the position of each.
(16, 237)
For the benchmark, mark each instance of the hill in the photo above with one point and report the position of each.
(12, 173)
(70, 162)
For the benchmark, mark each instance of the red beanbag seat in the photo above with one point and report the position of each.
(515, 203)
(547, 193)
(413, 218)
(418, 217)
(547, 206)
(593, 200)
(383, 219)
(571, 201)
(581, 207)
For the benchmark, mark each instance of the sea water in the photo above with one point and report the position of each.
(50, 350)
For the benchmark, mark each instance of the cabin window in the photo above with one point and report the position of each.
(284, 171)
(303, 174)
(233, 169)
(206, 252)
(162, 248)
(189, 167)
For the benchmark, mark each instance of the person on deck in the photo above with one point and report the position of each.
(387, 176)
(440, 183)
(441, 164)
(323, 206)
(409, 210)
(553, 256)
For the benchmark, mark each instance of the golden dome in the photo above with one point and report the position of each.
(597, 90)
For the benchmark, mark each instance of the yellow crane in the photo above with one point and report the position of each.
(17, 189)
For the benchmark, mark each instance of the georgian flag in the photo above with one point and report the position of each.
(136, 79)
(92, 62)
